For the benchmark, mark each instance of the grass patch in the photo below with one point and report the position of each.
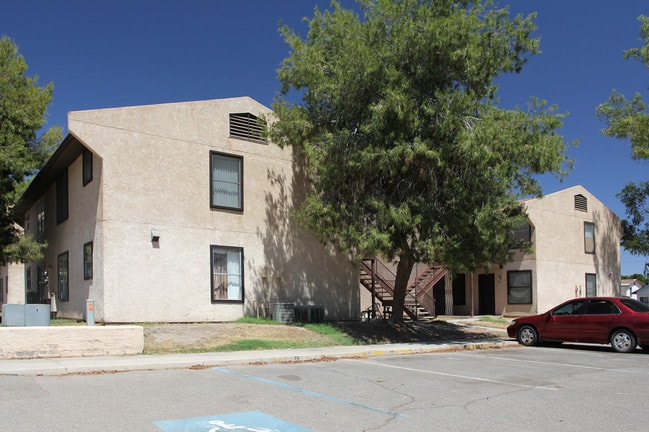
(252, 320)
(494, 320)
(337, 336)
(261, 344)
(66, 322)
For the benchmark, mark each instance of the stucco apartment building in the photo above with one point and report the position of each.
(576, 253)
(177, 212)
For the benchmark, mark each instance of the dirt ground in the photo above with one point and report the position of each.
(178, 337)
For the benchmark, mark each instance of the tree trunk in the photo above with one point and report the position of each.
(404, 268)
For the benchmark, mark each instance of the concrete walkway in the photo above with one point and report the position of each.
(111, 364)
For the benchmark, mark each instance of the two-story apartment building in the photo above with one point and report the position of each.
(177, 212)
(576, 253)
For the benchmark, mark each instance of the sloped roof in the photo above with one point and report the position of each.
(69, 149)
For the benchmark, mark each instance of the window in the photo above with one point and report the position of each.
(589, 237)
(87, 261)
(247, 126)
(227, 274)
(602, 307)
(575, 307)
(637, 306)
(591, 285)
(62, 198)
(459, 290)
(519, 287)
(28, 278)
(62, 280)
(521, 233)
(226, 181)
(40, 219)
(645, 300)
(581, 203)
(87, 167)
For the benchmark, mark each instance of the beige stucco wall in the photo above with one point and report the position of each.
(69, 236)
(561, 260)
(151, 172)
(13, 283)
(558, 262)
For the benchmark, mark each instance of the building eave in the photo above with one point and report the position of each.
(69, 149)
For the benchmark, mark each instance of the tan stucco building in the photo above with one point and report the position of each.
(576, 253)
(177, 212)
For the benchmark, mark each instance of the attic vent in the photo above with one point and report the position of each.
(247, 126)
(581, 203)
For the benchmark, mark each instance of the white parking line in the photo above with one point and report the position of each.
(454, 375)
(569, 365)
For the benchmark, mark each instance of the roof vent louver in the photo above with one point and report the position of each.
(581, 203)
(247, 126)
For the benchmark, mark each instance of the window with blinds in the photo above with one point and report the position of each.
(226, 181)
(227, 274)
(589, 237)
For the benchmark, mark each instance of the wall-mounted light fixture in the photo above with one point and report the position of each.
(155, 235)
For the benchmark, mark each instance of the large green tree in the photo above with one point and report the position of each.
(628, 119)
(407, 153)
(23, 106)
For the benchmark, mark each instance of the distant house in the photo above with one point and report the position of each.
(630, 287)
(177, 212)
(576, 252)
(642, 294)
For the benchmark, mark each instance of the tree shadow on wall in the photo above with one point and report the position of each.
(296, 267)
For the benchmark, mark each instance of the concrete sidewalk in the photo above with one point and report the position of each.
(109, 364)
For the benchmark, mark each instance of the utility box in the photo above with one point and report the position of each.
(283, 312)
(25, 315)
(309, 314)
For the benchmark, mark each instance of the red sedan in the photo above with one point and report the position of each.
(622, 322)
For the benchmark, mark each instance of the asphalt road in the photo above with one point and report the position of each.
(573, 388)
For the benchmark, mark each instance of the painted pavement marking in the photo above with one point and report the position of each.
(454, 375)
(310, 393)
(547, 363)
(251, 421)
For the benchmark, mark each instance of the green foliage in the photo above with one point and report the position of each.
(629, 119)
(23, 106)
(407, 152)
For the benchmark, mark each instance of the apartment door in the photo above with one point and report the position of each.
(486, 294)
(440, 297)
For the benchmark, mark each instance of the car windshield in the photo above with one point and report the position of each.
(635, 305)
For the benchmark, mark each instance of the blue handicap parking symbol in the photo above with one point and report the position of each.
(251, 421)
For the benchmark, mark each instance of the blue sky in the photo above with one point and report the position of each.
(122, 53)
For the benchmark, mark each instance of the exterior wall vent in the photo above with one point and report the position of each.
(247, 126)
(581, 203)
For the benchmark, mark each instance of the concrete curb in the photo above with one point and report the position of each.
(113, 364)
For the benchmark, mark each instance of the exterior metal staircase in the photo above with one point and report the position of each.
(419, 303)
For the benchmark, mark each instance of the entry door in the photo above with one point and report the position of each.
(486, 294)
(440, 297)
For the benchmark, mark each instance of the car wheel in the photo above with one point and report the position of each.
(527, 336)
(623, 341)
